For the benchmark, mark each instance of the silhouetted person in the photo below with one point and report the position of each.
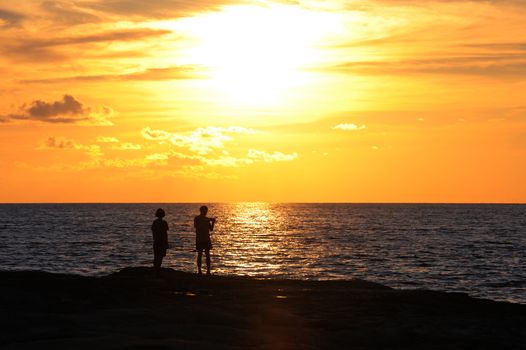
(160, 240)
(203, 225)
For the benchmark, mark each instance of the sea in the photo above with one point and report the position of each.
(479, 249)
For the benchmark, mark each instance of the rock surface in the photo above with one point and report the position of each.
(132, 309)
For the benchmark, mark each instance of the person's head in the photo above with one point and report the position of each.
(203, 210)
(160, 213)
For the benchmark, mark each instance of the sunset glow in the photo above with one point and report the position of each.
(337, 101)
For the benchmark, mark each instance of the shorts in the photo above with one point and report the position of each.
(203, 244)
(159, 252)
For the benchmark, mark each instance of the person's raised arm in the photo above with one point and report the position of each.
(212, 223)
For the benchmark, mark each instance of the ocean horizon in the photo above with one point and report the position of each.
(278, 202)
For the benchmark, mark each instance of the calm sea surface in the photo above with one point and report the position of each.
(478, 249)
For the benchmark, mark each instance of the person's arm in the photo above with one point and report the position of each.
(166, 235)
(212, 223)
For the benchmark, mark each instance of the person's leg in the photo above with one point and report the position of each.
(207, 254)
(157, 261)
(199, 258)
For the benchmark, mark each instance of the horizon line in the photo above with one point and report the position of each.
(275, 202)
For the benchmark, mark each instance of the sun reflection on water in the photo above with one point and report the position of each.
(245, 242)
(266, 239)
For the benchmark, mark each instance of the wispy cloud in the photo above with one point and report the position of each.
(205, 140)
(155, 135)
(349, 127)
(271, 157)
(157, 156)
(62, 143)
(69, 12)
(200, 140)
(106, 36)
(127, 146)
(10, 18)
(153, 74)
(227, 161)
(53, 48)
(511, 64)
(107, 139)
(156, 9)
(200, 171)
(66, 111)
(252, 156)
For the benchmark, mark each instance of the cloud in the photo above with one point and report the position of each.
(200, 140)
(44, 110)
(157, 156)
(199, 158)
(515, 46)
(60, 143)
(93, 151)
(107, 139)
(400, 41)
(121, 146)
(156, 9)
(271, 157)
(65, 111)
(168, 73)
(253, 156)
(155, 135)
(227, 161)
(58, 48)
(349, 126)
(204, 140)
(199, 171)
(153, 74)
(116, 35)
(68, 12)
(128, 146)
(208, 146)
(10, 19)
(510, 63)
(204, 148)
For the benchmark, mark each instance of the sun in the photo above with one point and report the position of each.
(255, 54)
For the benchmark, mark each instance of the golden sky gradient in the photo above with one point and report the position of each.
(281, 101)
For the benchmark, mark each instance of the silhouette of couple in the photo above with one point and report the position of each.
(202, 224)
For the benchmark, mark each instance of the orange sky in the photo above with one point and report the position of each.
(281, 101)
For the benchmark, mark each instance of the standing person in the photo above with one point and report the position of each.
(160, 240)
(203, 225)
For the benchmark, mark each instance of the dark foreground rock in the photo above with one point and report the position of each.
(131, 309)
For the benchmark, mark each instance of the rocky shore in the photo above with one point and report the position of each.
(131, 309)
